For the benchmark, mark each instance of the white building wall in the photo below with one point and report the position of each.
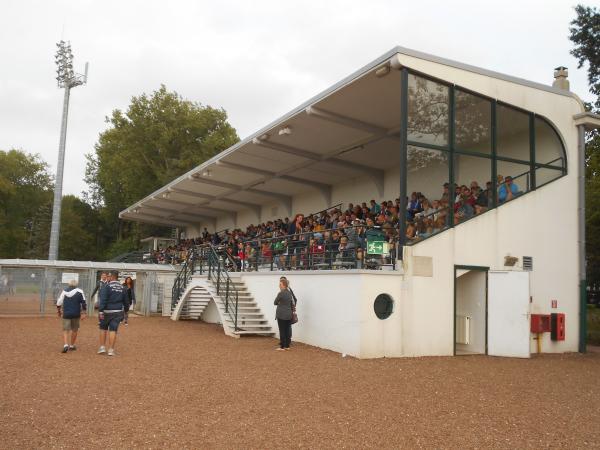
(335, 309)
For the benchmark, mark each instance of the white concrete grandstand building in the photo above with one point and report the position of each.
(503, 278)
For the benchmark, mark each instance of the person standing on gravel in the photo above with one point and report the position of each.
(103, 282)
(113, 299)
(295, 301)
(71, 307)
(283, 314)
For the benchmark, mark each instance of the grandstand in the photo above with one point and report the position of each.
(465, 233)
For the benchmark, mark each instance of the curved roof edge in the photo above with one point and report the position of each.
(356, 74)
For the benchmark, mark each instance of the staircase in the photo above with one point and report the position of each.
(250, 319)
(201, 292)
(196, 302)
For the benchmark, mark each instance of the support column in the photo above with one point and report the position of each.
(581, 239)
(403, 157)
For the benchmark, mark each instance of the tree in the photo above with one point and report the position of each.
(157, 139)
(585, 34)
(25, 190)
(78, 230)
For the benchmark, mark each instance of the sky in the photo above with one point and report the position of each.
(255, 59)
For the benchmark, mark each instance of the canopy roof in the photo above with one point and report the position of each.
(350, 129)
(106, 265)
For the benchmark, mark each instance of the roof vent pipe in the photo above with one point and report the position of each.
(560, 78)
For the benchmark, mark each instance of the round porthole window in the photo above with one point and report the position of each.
(383, 306)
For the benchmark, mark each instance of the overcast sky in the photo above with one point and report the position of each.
(256, 59)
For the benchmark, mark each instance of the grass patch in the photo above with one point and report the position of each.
(593, 325)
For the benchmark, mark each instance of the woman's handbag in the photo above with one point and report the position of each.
(294, 317)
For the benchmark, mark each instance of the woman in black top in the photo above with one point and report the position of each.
(283, 314)
(130, 297)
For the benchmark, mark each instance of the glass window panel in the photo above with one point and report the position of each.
(548, 147)
(513, 180)
(473, 117)
(512, 133)
(473, 193)
(544, 175)
(428, 111)
(427, 209)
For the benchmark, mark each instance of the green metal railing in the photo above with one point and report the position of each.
(217, 273)
(194, 264)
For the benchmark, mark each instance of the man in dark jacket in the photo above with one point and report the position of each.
(113, 298)
(70, 305)
(103, 282)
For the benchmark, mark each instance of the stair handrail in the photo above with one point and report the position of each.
(194, 263)
(217, 273)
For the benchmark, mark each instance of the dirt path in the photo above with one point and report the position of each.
(187, 385)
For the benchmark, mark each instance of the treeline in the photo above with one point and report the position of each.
(585, 35)
(158, 138)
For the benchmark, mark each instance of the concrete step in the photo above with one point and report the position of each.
(262, 333)
(253, 319)
(247, 314)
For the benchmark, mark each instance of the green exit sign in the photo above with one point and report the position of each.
(377, 247)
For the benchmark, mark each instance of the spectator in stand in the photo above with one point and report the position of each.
(250, 253)
(481, 202)
(465, 208)
(241, 257)
(375, 208)
(294, 247)
(414, 206)
(71, 307)
(508, 190)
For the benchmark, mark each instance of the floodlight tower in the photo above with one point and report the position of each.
(66, 79)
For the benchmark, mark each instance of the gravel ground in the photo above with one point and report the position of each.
(187, 385)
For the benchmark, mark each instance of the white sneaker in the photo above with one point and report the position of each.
(101, 350)
(111, 352)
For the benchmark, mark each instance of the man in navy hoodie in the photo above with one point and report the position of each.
(71, 307)
(113, 298)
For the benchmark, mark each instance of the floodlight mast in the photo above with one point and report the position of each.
(67, 79)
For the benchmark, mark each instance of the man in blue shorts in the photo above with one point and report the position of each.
(113, 298)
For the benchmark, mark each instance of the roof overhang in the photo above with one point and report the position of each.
(588, 120)
(349, 130)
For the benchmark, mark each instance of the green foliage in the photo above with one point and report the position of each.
(121, 246)
(585, 34)
(592, 207)
(157, 139)
(593, 325)
(25, 191)
(79, 225)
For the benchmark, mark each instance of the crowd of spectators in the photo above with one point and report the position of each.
(339, 236)
(426, 217)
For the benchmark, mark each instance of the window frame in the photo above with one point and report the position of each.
(452, 149)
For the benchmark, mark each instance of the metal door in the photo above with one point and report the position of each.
(508, 314)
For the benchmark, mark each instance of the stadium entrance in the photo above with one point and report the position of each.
(491, 312)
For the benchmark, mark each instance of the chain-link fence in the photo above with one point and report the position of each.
(33, 290)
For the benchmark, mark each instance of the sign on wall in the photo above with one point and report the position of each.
(67, 277)
(377, 247)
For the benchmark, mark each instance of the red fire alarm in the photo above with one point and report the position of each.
(554, 304)
(557, 326)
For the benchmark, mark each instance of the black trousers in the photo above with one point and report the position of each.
(285, 332)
